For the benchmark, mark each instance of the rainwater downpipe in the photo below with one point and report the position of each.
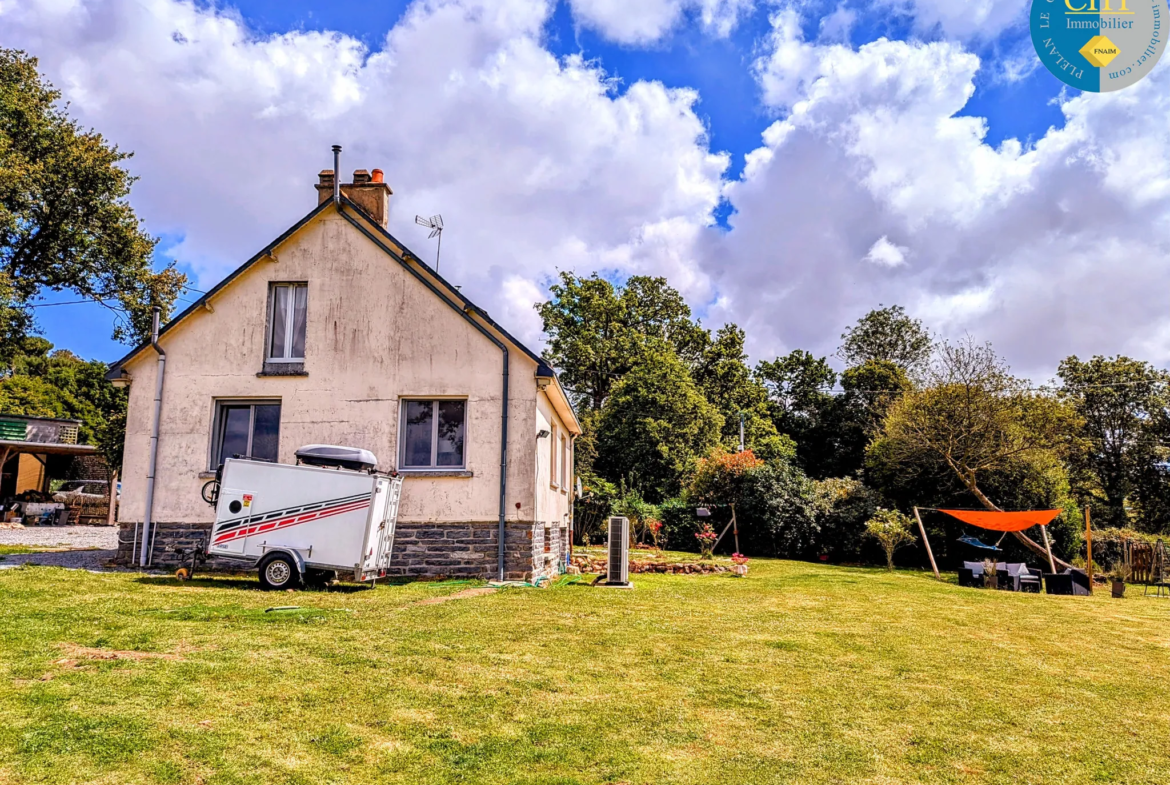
(487, 334)
(572, 494)
(144, 556)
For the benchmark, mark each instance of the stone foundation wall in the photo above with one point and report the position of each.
(166, 537)
(421, 550)
(550, 546)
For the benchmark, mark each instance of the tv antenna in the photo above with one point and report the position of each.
(435, 224)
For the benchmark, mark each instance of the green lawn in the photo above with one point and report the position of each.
(799, 673)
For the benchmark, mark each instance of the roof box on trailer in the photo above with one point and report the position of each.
(334, 456)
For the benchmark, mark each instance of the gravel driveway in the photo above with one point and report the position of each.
(81, 542)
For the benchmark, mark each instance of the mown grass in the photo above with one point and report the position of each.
(799, 673)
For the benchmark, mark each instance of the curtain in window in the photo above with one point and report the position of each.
(300, 312)
(419, 422)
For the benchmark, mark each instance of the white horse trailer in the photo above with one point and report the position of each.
(307, 523)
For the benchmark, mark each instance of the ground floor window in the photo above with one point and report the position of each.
(432, 434)
(245, 429)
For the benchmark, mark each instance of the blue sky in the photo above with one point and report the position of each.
(869, 183)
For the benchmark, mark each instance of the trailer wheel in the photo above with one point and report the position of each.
(279, 571)
(183, 574)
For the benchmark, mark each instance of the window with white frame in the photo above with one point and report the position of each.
(287, 318)
(552, 455)
(245, 428)
(433, 434)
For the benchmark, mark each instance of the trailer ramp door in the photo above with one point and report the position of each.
(384, 517)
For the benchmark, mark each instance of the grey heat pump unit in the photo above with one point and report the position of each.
(618, 566)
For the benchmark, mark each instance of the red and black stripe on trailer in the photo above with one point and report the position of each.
(247, 525)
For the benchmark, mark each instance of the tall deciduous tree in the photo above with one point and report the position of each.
(724, 378)
(798, 386)
(655, 423)
(597, 332)
(855, 417)
(799, 401)
(975, 418)
(65, 223)
(887, 334)
(1125, 407)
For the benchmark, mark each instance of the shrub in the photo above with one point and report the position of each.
(631, 505)
(776, 513)
(679, 525)
(892, 529)
(591, 511)
(843, 505)
(719, 478)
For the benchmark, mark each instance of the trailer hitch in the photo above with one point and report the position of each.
(198, 556)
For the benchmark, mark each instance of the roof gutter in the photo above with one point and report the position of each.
(462, 311)
(144, 556)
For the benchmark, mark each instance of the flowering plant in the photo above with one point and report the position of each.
(706, 537)
(738, 558)
(654, 526)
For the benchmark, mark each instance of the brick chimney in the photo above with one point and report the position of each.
(368, 191)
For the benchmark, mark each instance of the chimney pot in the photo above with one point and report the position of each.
(368, 192)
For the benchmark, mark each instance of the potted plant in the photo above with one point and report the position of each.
(706, 537)
(990, 577)
(739, 564)
(1120, 574)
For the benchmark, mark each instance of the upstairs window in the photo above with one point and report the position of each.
(286, 323)
(245, 428)
(433, 434)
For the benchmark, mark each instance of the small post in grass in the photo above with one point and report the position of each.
(1089, 541)
(926, 542)
(735, 529)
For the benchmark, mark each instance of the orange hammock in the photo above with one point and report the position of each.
(1004, 521)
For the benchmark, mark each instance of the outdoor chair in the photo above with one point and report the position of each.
(1159, 578)
(1069, 582)
(971, 574)
(1018, 578)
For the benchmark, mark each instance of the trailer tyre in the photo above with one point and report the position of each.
(279, 571)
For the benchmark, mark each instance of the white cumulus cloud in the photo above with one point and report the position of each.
(884, 253)
(964, 19)
(1046, 251)
(535, 162)
(647, 21)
